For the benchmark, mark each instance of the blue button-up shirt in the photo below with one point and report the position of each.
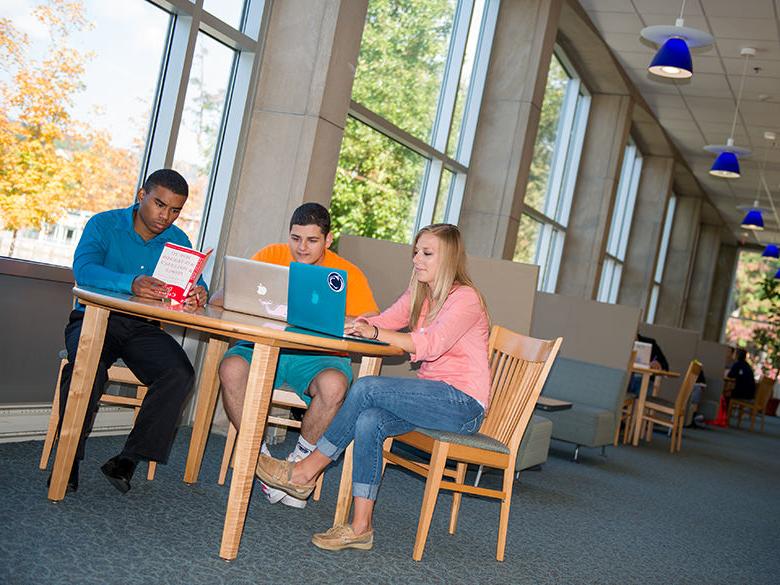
(110, 253)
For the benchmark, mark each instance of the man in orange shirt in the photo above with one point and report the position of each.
(321, 380)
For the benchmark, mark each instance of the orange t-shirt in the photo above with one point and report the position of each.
(360, 299)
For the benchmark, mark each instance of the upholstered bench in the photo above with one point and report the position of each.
(596, 393)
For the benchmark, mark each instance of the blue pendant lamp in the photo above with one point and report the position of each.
(726, 165)
(771, 251)
(673, 59)
(753, 220)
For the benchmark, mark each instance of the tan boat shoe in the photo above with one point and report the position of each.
(341, 537)
(277, 473)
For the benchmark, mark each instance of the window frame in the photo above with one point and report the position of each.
(435, 149)
(569, 141)
(186, 20)
(621, 219)
(660, 262)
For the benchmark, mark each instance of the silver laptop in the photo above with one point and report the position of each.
(643, 353)
(257, 288)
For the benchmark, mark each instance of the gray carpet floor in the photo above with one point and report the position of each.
(639, 515)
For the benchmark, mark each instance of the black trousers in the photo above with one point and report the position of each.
(156, 360)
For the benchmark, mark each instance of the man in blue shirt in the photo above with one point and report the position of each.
(119, 251)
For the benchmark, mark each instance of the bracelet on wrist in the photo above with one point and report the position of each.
(376, 332)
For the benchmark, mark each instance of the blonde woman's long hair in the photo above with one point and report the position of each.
(451, 272)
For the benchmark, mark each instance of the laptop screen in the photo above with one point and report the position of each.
(317, 298)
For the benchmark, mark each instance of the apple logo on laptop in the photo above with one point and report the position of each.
(315, 297)
(261, 289)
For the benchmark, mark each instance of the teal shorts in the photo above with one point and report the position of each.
(297, 368)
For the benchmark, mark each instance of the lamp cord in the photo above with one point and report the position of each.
(682, 9)
(739, 97)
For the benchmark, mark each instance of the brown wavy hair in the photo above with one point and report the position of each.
(451, 273)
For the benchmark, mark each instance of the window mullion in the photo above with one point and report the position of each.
(477, 82)
(430, 189)
(563, 133)
(449, 89)
(174, 79)
(572, 165)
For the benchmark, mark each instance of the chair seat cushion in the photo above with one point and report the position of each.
(477, 440)
(659, 401)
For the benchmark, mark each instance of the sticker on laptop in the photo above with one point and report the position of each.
(335, 282)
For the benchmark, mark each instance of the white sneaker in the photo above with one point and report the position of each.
(274, 495)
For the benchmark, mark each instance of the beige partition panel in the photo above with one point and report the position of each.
(508, 287)
(593, 332)
(679, 346)
(714, 358)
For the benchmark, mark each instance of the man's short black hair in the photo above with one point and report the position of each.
(312, 214)
(741, 355)
(168, 179)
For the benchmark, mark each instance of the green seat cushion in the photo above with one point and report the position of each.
(477, 440)
(660, 401)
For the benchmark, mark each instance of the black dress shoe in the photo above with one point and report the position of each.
(119, 471)
(73, 480)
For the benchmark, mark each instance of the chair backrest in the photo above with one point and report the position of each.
(519, 366)
(686, 388)
(764, 392)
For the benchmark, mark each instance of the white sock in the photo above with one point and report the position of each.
(302, 449)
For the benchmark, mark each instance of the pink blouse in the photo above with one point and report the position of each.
(454, 347)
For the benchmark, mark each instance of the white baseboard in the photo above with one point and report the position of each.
(29, 422)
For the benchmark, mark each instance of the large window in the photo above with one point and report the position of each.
(93, 98)
(620, 225)
(660, 266)
(417, 90)
(553, 172)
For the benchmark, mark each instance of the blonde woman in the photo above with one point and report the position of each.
(449, 332)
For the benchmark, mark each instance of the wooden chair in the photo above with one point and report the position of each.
(519, 366)
(755, 406)
(670, 414)
(281, 397)
(627, 410)
(118, 373)
(626, 418)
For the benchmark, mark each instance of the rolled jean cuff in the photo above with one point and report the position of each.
(328, 449)
(365, 490)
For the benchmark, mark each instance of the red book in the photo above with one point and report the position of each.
(180, 268)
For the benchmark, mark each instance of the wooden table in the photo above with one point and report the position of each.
(552, 404)
(646, 372)
(268, 337)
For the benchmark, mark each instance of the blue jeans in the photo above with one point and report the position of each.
(379, 407)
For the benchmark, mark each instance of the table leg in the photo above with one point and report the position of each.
(256, 404)
(640, 408)
(369, 366)
(204, 409)
(93, 332)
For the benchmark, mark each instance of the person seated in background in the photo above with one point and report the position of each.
(118, 251)
(744, 387)
(448, 333)
(320, 379)
(658, 361)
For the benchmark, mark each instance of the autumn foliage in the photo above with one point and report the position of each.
(49, 161)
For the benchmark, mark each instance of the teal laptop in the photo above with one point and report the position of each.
(317, 301)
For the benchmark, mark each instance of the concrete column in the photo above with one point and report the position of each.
(647, 226)
(298, 118)
(725, 265)
(509, 118)
(594, 195)
(679, 262)
(702, 276)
